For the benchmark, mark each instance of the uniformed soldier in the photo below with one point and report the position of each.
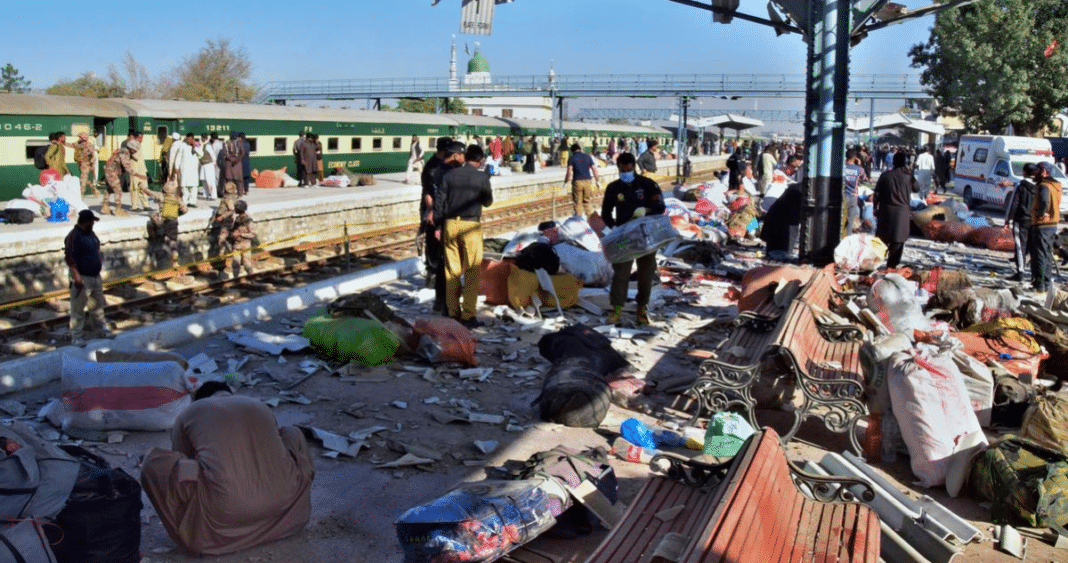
(223, 220)
(139, 193)
(117, 163)
(171, 207)
(85, 156)
(241, 238)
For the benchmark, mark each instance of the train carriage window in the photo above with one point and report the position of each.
(432, 143)
(251, 144)
(331, 144)
(357, 143)
(376, 143)
(33, 145)
(396, 143)
(280, 144)
(506, 113)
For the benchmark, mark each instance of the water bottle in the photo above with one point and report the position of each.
(629, 452)
(637, 433)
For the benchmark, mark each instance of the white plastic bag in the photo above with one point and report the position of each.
(895, 303)
(932, 409)
(860, 252)
(122, 396)
(521, 241)
(289, 181)
(638, 237)
(591, 268)
(578, 230)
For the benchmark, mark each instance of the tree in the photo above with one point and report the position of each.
(219, 72)
(133, 78)
(13, 82)
(88, 85)
(997, 62)
(426, 105)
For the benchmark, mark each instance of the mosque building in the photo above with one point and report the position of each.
(505, 107)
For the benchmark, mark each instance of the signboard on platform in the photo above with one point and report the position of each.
(476, 17)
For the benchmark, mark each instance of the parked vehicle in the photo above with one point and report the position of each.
(990, 166)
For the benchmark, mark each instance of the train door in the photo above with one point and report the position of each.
(104, 137)
(164, 129)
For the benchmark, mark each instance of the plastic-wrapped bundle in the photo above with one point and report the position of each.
(347, 338)
(475, 522)
(638, 237)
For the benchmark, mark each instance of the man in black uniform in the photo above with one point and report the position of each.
(458, 202)
(433, 257)
(1018, 215)
(81, 252)
(627, 198)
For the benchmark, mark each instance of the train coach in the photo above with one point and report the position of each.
(367, 142)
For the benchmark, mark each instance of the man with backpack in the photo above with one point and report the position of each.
(56, 156)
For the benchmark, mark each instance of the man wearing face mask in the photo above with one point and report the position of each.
(81, 251)
(630, 197)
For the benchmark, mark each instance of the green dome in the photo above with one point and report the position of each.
(478, 63)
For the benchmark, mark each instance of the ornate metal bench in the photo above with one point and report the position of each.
(749, 510)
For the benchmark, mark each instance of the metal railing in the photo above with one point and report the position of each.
(880, 86)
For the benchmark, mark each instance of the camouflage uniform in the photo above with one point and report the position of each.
(223, 221)
(166, 220)
(241, 241)
(85, 156)
(119, 161)
(139, 194)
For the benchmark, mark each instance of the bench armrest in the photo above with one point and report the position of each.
(755, 322)
(832, 488)
(692, 472)
(840, 333)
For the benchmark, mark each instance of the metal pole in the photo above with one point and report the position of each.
(871, 128)
(825, 113)
(348, 254)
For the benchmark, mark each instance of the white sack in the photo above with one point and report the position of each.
(591, 268)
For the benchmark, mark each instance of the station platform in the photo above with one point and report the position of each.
(31, 256)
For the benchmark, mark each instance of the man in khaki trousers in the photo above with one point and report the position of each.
(81, 251)
(458, 203)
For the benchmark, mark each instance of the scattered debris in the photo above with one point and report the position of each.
(269, 343)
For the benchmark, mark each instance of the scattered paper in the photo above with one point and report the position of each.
(269, 343)
(486, 446)
(407, 460)
(201, 364)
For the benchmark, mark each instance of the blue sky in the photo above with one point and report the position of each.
(408, 38)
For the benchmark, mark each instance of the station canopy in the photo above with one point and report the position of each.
(731, 121)
(896, 121)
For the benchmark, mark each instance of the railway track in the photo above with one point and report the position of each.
(155, 297)
(158, 296)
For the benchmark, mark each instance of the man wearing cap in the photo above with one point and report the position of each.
(81, 252)
(433, 253)
(85, 156)
(458, 201)
(185, 163)
(139, 194)
(1045, 214)
(231, 162)
(582, 172)
(172, 152)
(308, 161)
(165, 158)
(241, 237)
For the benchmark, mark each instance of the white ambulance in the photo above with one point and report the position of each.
(990, 166)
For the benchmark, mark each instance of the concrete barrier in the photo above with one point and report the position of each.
(27, 373)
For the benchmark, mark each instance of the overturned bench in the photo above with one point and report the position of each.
(823, 358)
(749, 510)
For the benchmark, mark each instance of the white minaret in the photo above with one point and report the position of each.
(454, 82)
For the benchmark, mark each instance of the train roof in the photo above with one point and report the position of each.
(173, 109)
(477, 120)
(43, 104)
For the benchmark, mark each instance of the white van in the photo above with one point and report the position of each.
(990, 166)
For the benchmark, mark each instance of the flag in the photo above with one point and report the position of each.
(467, 49)
(1049, 50)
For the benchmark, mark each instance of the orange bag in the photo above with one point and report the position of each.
(451, 340)
(268, 178)
(494, 281)
(522, 284)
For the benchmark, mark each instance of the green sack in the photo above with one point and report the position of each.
(727, 432)
(1026, 483)
(346, 339)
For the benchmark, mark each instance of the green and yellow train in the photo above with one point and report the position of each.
(367, 142)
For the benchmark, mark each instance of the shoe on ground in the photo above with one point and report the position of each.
(1017, 277)
(438, 307)
(615, 317)
(641, 318)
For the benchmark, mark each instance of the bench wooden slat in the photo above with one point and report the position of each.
(785, 544)
(755, 494)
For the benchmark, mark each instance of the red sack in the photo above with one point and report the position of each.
(705, 206)
(452, 341)
(494, 281)
(953, 231)
(738, 204)
(994, 238)
(48, 175)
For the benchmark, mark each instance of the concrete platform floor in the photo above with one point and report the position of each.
(355, 504)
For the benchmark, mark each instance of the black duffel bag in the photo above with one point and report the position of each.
(581, 341)
(101, 522)
(574, 394)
